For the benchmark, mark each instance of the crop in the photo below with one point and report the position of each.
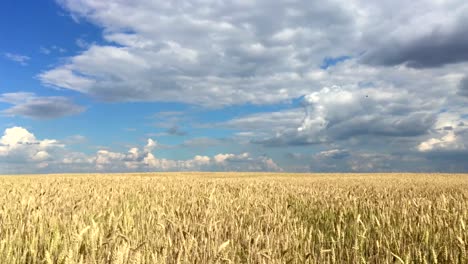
(234, 218)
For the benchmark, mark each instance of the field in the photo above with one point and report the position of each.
(234, 218)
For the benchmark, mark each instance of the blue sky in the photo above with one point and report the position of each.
(247, 85)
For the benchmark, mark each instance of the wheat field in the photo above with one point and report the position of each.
(234, 218)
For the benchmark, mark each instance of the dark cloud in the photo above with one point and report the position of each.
(440, 46)
(337, 114)
(32, 106)
(463, 87)
(291, 138)
(176, 131)
(447, 160)
(414, 124)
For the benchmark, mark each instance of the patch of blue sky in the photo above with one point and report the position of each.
(332, 61)
(24, 27)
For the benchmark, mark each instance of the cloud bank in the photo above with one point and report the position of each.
(22, 152)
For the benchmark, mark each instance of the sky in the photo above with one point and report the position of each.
(208, 85)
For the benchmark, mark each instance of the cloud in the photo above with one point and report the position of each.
(22, 152)
(334, 154)
(427, 34)
(21, 59)
(271, 122)
(108, 160)
(357, 160)
(19, 147)
(150, 145)
(75, 140)
(244, 161)
(144, 160)
(176, 131)
(212, 54)
(53, 48)
(446, 141)
(449, 135)
(463, 87)
(39, 107)
(201, 142)
(44, 50)
(436, 48)
(264, 52)
(335, 113)
(81, 43)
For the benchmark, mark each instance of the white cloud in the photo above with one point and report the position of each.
(66, 78)
(44, 50)
(214, 54)
(223, 53)
(81, 43)
(21, 59)
(41, 156)
(19, 147)
(108, 159)
(150, 145)
(22, 152)
(449, 134)
(446, 141)
(50, 49)
(222, 158)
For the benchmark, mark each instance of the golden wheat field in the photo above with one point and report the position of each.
(234, 218)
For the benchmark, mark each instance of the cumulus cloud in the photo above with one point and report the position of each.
(335, 113)
(245, 161)
(22, 152)
(214, 54)
(449, 140)
(108, 159)
(138, 160)
(449, 135)
(19, 147)
(39, 107)
(144, 159)
(446, 149)
(224, 53)
(150, 145)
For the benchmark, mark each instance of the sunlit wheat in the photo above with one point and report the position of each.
(234, 218)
